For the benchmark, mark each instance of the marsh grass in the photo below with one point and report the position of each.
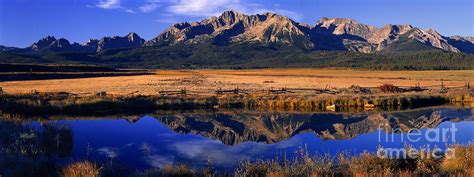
(365, 164)
(463, 161)
(297, 103)
(171, 170)
(81, 169)
(389, 88)
(302, 165)
(46, 105)
(181, 170)
(25, 151)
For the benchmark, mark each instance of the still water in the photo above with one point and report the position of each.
(228, 138)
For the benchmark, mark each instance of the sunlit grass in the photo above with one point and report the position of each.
(81, 169)
(41, 105)
(181, 170)
(462, 162)
(365, 164)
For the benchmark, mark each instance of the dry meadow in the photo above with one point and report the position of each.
(207, 81)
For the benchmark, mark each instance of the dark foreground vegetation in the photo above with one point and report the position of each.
(241, 56)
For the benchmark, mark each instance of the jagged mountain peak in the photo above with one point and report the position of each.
(48, 38)
(341, 26)
(181, 25)
(270, 28)
(396, 29)
(232, 26)
(388, 34)
(232, 14)
(91, 42)
(50, 42)
(128, 41)
(431, 38)
(432, 31)
(62, 43)
(227, 18)
(325, 21)
(132, 36)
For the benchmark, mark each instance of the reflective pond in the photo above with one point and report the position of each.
(228, 138)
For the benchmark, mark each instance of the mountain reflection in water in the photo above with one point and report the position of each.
(227, 138)
(235, 128)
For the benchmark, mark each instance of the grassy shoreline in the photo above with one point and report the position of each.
(65, 104)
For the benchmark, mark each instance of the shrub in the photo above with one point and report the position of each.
(178, 170)
(81, 169)
(302, 165)
(389, 88)
(367, 163)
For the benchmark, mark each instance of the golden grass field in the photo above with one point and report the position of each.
(207, 81)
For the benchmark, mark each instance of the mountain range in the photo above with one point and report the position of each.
(50, 43)
(233, 30)
(326, 34)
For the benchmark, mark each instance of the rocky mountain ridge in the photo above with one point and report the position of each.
(232, 27)
(131, 40)
(326, 34)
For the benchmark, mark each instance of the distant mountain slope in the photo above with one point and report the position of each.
(464, 44)
(277, 55)
(244, 55)
(5, 48)
(407, 42)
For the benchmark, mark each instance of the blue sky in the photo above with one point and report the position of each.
(23, 22)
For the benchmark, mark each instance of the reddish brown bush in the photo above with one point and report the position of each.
(389, 88)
